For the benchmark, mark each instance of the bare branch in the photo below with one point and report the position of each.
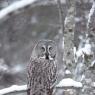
(61, 17)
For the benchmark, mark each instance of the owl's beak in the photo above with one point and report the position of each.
(47, 55)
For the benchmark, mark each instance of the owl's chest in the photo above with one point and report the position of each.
(45, 69)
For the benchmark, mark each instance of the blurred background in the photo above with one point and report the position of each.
(19, 32)
(21, 29)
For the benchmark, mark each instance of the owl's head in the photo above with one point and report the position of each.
(45, 49)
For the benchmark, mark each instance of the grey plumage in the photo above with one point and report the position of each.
(42, 68)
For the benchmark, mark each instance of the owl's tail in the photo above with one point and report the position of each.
(28, 92)
(50, 92)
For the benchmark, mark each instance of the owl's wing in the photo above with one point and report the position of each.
(30, 68)
(28, 76)
(31, 72)
(53, 74)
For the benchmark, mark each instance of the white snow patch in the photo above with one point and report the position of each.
(67, 72)
(92, 63)
(83, 77)
(68, 82)
(85, 50)
(63, 42)
(78, 19)
(93, 84)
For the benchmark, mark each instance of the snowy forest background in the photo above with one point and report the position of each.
(70, 23)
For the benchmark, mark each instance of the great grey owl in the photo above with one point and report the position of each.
(42, 68)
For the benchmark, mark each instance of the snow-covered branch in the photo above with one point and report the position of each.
(92, 10)
(68, 82)
(16, 5)
(83, 50)
(23, 3)
(13, 88)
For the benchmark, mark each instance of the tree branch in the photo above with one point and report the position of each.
(13, 88)
(91, 14)
(23, 3)
(61, 17)
(16, 5)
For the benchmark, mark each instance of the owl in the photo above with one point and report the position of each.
(42, 69)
